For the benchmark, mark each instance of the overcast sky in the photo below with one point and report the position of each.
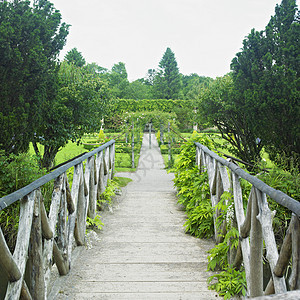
(204, 35)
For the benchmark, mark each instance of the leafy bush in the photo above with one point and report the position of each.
(200, 220)
(229, 283)
(193, 190)
(16, 171)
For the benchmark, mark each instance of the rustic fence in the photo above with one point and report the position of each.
(44, 240)
(255, 226)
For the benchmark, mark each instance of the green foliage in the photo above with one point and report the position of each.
(122, 181)
(77, 109)
(75, 57)
(218, 256)
(193, 190)
(94, 223)
(31, 38)
(229, 283)
(167, 83)
(266, 79)
(118, 81)
(217, 106)
(12, 170)
(110, 191)
(200, 220)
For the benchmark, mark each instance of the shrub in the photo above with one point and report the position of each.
(193, 190)
(16, 171)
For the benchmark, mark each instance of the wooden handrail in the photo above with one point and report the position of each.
(15, 196)
(280, 197)
(46, 239)
(256, 226)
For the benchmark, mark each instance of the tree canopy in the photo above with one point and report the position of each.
(257, 105)
(75, 57)
(31, 38)
(266, 78)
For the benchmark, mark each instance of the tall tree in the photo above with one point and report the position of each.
(75, 57)
(167, 84)
(266, 76)
(78, 108)
(118, 80)
(31, 38)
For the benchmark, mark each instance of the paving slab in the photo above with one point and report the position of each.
(142, 251)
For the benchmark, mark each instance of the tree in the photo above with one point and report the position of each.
(266, 77)
(78, 108)
(75, 57)
(192, 85)
(118, 80)
(217, 105)
(138, 90)
(149, 80)
(167, 84)
(30, 41)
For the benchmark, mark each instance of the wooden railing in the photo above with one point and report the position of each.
(44, 240)
(256, 226)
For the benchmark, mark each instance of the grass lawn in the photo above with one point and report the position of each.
(122, 160)
(69, 151)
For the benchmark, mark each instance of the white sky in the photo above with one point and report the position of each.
(205, 35)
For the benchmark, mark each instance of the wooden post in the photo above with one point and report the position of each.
(20, 254)
(240, 217)
(36, 267)
(92, 206)
(150, 131)
(169, 145)
(59, 185)
(7, 262)
(294, 281)
(132, 146)
(162, 133)
(265, 219)
(80, 223)
(256, 252)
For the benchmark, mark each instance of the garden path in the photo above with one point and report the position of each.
(142, 251)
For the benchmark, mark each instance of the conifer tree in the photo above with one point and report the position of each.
(167, 83)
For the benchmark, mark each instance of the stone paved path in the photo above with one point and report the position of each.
(142, 251)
